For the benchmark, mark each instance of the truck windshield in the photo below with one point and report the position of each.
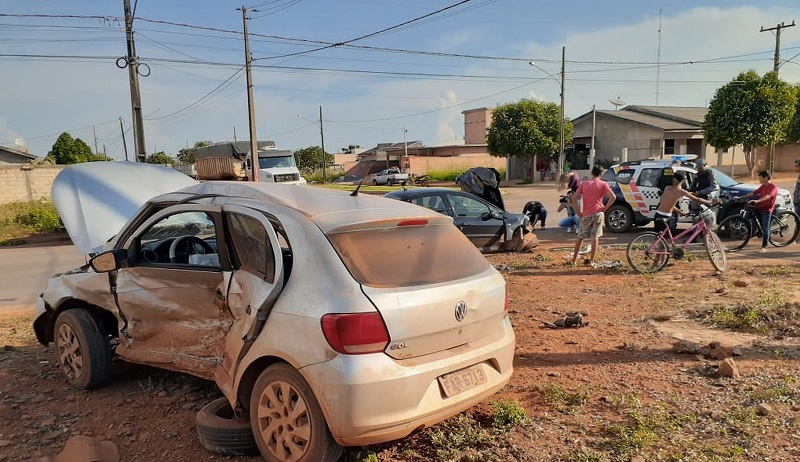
(277, 161)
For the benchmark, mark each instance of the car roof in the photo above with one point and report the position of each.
(406, 193)
(689, 166)
(329, 209)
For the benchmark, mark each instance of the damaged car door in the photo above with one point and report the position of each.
(171, 295)
(257, 252)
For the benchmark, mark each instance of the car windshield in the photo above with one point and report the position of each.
(404, 256)
(277, 161)
(724, 180)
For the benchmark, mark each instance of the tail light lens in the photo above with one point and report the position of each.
(355, 334)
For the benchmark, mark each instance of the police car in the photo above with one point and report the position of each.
(638, 185)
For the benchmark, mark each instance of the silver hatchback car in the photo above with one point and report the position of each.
(306, 307)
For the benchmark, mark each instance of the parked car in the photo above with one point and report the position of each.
(488, 227)
(289, 298)
(638, 186)
(390, 176)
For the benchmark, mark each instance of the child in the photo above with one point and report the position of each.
(572, 221)
(536, 212)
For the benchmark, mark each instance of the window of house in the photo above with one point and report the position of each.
(669, 147)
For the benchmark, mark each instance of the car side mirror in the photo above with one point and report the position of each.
(486, 216)
(108, 261)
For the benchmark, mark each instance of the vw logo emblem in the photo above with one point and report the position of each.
(461, 311)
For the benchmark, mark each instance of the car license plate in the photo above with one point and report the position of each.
(463, 380)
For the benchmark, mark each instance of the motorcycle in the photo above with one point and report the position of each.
(422, 180)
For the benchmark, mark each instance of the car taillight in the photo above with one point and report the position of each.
(413, 222)
(355, 334)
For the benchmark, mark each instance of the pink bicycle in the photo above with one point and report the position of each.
(650, 251)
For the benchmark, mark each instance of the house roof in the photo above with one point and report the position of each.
(667, 118)
(17, 152)
(390, 147)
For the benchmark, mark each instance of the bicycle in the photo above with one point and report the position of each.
(736, 230)
(650, 251)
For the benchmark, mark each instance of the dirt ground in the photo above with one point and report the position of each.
(618, 389)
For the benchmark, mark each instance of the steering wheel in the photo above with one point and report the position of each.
(186, 244)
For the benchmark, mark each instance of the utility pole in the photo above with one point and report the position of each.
(777, 59)
(322, 141)
(251, 110)
(94, 132)
(124, 143)
(132, 63)
(561, 159)
(776, 65)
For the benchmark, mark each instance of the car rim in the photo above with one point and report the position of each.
(617, 219)
(69, 352)
(283, 421)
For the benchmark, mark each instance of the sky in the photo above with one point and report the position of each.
(381, 70)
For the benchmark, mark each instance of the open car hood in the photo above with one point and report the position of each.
(96, 199)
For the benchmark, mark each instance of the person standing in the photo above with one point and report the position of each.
(705, 182)
(796, 195)
(591, 194)
(764, 204)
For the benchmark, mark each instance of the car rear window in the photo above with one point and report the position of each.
(405, 256)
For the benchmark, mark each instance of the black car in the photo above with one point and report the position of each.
(486, 225)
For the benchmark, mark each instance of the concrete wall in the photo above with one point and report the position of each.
(25, 182)
(476, 124)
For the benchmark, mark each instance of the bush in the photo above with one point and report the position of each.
(38, 216)
(451, 173)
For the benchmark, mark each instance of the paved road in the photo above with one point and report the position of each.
(25, 271)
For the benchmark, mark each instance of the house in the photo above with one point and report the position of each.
(641, 132)
(14, 156)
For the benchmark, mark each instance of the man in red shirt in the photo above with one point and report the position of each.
(593, 213)
(764, 204)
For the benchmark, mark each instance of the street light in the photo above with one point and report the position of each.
(321, 140)
(561, 159)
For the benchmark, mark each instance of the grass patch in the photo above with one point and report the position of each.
(507, 414)
(782, 270)
(19, 220)
(767, 313)
(561, 400)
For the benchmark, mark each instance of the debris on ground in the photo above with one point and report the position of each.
(82, 448)
(572, 319)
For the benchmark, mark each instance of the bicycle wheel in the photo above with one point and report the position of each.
(734, 233)
(783, 228)
(715, 250)
(648, 252)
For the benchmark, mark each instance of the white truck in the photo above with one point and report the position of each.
(231, 161)
(390, 176)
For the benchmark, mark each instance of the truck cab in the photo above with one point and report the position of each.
(277, 166)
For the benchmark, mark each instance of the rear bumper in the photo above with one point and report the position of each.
(370, 399)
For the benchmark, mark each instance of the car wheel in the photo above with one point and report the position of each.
(619, 219)
(389, 183)
(287, 420)
(221, 431)
(374, 182)
(83, 348)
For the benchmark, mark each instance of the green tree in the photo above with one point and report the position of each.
(793, 134)
(68, 150)
(186, 155)
(160, 157)
(752, 111)
(525, 129)
(310, 159)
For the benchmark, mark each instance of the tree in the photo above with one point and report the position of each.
(310, 159)
(793, 134)
(67, 150)
(752, 111)
(525, 129)
(160, 157)
(186, 155)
